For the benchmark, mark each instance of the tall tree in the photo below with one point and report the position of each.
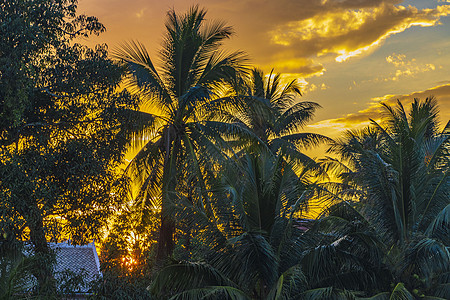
(183, 139)
(60, 128)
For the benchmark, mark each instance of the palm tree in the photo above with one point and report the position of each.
(398, 173)
(251, 248)
(192, 68)
(16, 269)
(271, 110)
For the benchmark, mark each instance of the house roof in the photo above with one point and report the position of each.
(77, 260)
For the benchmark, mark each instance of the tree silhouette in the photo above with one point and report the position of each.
(183, 139)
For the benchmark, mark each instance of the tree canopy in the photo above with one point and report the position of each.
(62, 127)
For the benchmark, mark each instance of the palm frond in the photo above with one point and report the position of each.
(186, 276)
(401, 293)
(292, 282)
(379, 296)
(295, 117)
(442, 291)
(427, 258)
(327, 293)
(440, 226)
(306, 140)
(144, 78)
(212, 292)
(141, 127)
(221, 68)
(251, 261)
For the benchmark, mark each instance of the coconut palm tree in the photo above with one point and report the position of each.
(272, 111)
(398, 173)
(183, 140)
(251, 248)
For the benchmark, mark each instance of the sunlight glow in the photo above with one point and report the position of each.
(129, 262)
(344, 55)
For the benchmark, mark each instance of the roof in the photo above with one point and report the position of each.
(77, 260)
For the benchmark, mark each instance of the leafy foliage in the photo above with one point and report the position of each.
(61, 140)
(114, 286)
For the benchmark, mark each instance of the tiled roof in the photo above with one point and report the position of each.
(77, 260)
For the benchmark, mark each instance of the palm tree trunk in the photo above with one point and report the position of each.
(166, 236)
(167, 229)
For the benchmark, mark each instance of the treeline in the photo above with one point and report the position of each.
(213, 204)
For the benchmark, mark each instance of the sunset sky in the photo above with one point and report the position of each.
(348, 54)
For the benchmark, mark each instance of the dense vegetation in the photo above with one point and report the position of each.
(211, 206)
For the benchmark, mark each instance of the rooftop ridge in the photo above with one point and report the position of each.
(67, 244)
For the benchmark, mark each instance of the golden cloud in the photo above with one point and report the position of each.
(289, 63)
(350, 32)
(374, 111)
(405, 67)
(396, 59)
